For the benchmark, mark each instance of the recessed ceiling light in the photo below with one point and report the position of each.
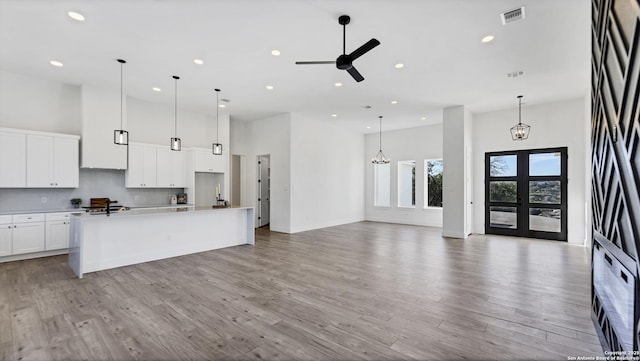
(198, 61)
(334, 115)
(368, 127)
(222, 106)
(394, 102)
(56, 63)
(275, 52)
(269, 87)
(488, 39)
(423, 118)
(156, 89)
(75, 16)
(399, 66)
(338, 84)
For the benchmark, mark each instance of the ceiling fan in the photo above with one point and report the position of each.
(345, 61)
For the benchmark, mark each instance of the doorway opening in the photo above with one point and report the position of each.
(263, 194)
(526, 193)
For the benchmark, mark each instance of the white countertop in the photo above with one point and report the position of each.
(150, 211)
(82, 210)
(67, 210)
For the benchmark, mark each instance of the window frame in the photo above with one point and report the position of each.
(399, 184)
(426, 183)
(376, 184)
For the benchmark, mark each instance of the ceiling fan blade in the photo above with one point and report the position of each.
(364, 48)
(355, 74)
(315, 62)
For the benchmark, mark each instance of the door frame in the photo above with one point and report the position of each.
(258, 215)
(522, 204)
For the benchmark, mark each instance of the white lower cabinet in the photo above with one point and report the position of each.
(34, 232)
(5, 237)
(57, 231)
(28, 237)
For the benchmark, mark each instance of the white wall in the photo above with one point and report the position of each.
(555, 124)
(327, 175)
(408, 144)
(267, 136)
(154, 123)
(455, 196)
(38, 104)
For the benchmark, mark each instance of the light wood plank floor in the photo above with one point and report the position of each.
(353, 292)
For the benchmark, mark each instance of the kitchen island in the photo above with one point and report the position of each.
(99, 241)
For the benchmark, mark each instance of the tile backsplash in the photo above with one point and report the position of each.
(94, 183)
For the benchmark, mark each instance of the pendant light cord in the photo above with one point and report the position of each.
(217, 115)
(176, 106)
(121, 91)
(380, 132)
(520, 110)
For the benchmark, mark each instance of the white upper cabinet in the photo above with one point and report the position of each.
(13, 160)
(205, 161)
(170, 168)
(52, 162)
(38, 159)
(141, 171)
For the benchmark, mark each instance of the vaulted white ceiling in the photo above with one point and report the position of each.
(438, 41)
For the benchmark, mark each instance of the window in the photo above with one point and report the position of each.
(407, 183)
(382, 185)
(433, 183)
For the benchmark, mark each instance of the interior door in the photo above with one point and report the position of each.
(526, 193)
(264, 185)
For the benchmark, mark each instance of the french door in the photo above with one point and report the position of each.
(526, 193)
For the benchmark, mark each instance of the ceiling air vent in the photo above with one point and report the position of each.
(515, 74)
(512, 15)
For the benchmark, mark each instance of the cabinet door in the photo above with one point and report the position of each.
(5, 239)
(134, 175)
(57, 235)
(13, 160)
(66, 160)
(141, 171)
(28, 237)
(40, 161)
(205, 161)
(149, 166)
(163, 167)
(178, 169)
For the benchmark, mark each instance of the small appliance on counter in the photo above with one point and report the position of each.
(104, 206)
(181, 198)
(173, 199)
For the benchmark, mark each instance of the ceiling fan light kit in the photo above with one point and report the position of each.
(345, 61)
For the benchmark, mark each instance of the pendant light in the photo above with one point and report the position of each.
(121, 136)
(176, 143)
(379, 158)
(520, 131)
(217, 147)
